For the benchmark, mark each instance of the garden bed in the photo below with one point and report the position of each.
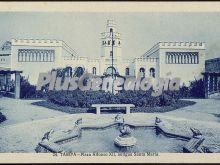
(73, 110)
(67, 109)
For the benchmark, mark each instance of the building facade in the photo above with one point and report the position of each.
(165, 59)
(212, 77)
(178, 59)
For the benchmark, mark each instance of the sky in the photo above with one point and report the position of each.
(140, 31)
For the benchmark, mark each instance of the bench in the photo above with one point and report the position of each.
(126, 106)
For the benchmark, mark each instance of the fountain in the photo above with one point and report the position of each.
(133, 137)
(125, 139)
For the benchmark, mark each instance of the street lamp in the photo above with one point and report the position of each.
(111, 31)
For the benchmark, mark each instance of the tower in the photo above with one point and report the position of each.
(106, 45)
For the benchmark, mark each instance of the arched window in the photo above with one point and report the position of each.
(195, 59)
(94, 70)
(79, 71)
(171, 59)
(50, 56)
(33, 56)
(25, 56)
(127, 71)
(68, 71)
(168, 58)
(187, 58)
(152, 72)
(29, 55)
(113, 42)
(37, 56)
(46, 56)
(184, 58)
(174, 61)
(142, 71)
(110, 53)
(179, 61)
(181, 58)
(20, 56)
(110, 70)
(191, 58)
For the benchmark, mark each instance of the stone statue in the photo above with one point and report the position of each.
(196, 132)
(78, 121)
(157, 120)
(125, 131)
(119, 118)
(125, 139)
(205, 149)
(47, 135)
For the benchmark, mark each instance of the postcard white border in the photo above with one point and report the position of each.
(109, 7)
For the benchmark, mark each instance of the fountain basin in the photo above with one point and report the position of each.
(107, 139)
(125, 141)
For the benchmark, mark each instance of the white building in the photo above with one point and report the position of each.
(165, 59)
(178, 59)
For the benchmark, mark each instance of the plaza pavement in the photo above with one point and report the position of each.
(26, 123)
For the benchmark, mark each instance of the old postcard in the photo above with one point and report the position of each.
(110, 82)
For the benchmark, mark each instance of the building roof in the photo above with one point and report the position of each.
(7, 70)
(5, 52)
(45, 42)
(212, 65)
(174, 45)
(213, 60)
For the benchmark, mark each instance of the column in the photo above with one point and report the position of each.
(98, 109)
(218, 83)
(210, 82)
(17, 85)
(206, 85)
(5, 82)
(215, 83)
(128, 110)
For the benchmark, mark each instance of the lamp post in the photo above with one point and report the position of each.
(111, 31)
